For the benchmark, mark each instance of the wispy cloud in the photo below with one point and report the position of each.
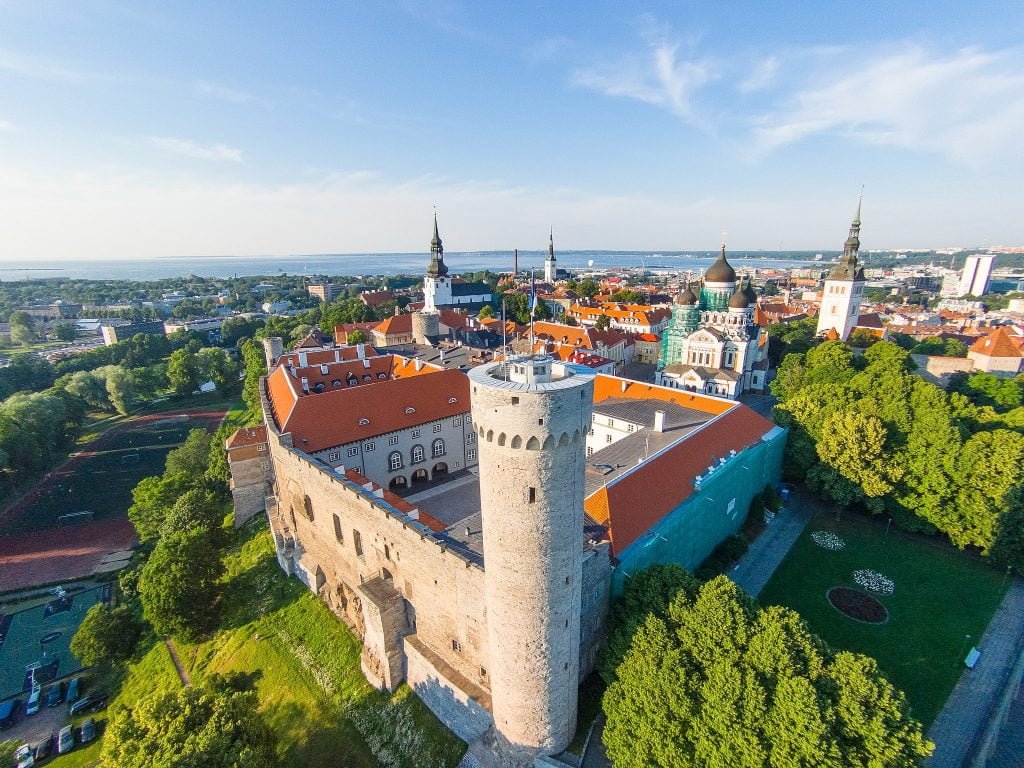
(194, 149)
(763, 74)
(38, 67)
(658, 76)
(967, 105)
(6, 125)
(217, 91)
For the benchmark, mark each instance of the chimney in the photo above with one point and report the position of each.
(305, 385)
(419, 364)
(469, 531)
(659, 421)
(624, 385)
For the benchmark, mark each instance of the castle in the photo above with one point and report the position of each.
(471, 527)
(712, 343)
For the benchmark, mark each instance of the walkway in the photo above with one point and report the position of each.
(755, 568)
(1010, 746)
(182, 674)
(967, 711)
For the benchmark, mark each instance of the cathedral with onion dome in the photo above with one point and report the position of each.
(712, 344)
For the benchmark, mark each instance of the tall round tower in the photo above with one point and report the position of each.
(532, 415)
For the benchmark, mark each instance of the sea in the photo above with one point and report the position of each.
(330, 264)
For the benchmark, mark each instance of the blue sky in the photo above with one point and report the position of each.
(154, 129)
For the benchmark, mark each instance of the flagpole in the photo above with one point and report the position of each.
(533, 307)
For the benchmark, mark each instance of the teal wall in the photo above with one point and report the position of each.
(690, 532)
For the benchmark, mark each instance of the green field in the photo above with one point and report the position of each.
(304, 664)
(940, 597)
(102, 484)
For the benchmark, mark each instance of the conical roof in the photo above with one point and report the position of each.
(436, 267)
(721, 271)
(751, 292)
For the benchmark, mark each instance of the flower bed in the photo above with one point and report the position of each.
(828, 540)
(873, 581)
(857, 605)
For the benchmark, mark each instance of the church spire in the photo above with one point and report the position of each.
(551, 245)
(437, 266)
(848, 267)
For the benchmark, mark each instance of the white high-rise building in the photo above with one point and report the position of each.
(977, 272)
(844, 289)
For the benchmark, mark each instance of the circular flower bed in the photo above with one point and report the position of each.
(857, 605)
(827, 540)
(873, 581)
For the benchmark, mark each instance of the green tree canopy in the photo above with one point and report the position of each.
(213, 725)
(255, 364)
(192, 456)
(216, 365)
(719, 682)
(178, 585)
(152, 499)
(107, 635)
(195, 511)
(183, 372)
(23, 329)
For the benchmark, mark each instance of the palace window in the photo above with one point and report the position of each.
(395, 461)
(393, 440)
(456, 646)
(353, 451)
(471, 455)
(437, 427)
(471, 438)
(438, 448)
(334, 456)
(357, 542)
(415, 434)
(417, 454)
(607, 438)
(457, 422)
(368, 446)
(337, 530)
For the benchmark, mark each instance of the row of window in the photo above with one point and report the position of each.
(416, 455)
(393, 440)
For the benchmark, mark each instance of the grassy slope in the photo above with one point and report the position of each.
(941, 595)
(304, 664)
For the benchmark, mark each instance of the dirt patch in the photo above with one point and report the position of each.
(857, 605)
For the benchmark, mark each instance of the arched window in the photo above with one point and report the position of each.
(438, 449)
(417, 454)
(395, 461)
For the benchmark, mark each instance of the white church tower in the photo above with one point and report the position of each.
(844, 288)
(437, 286)
(550, 265)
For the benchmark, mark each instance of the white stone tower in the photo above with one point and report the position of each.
(532, 415)
(844, 288)
(437, 286)
(550, 264)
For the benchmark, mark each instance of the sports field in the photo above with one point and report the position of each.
(39, 639)
(100, 479)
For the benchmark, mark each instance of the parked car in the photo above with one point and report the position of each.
(23, 757)
(94, 702)
(9, 712)
(35, 700)
(44, 747)
(73, 688)
(65, 740)
(87, 731)
(53, 695)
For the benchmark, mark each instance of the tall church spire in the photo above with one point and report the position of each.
(551, 245)
(848, 267)
(437, 266)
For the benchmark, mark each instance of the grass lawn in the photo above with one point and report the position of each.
(304, 664)
(941, 596)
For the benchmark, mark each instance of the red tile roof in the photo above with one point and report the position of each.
(321, 356)
(396, 325)
(613, 386)
(375, 298)
(336, 416)
(999, 343)
(247, 436)
(396, 501)
(637, 500)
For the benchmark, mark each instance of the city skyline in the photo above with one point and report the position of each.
(129, 131)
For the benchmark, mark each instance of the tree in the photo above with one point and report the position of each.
(90, 387)
(255, 367)
(183, 373)
(628, 296)
(23, 329)
(195, 511)
(485, 312)
(191, 457)
(719, 682)
(603, 323)
(107, 635)
(588, 289)
(178, 585)
(646, 593)
(152, 498)
(65, 331)
(217, 366)
(862, 338)
(355, 337)
(853, 444)
(215, 724)
(120, 387)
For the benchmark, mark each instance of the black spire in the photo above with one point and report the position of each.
(848, 267)
(551, 245)
(437, 266)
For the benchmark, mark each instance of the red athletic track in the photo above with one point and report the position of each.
(71, 552)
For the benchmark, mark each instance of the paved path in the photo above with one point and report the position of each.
(976, 694)
(1009, 749)
(756, 567)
